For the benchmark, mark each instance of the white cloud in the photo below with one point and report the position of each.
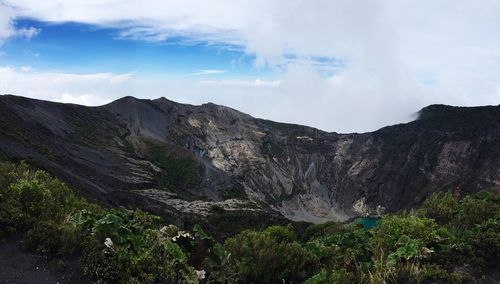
(88, 89)
(7, 27)
(241, 83)
(395, 56)
(28, 33)
(118, 79)
(82, 99)
(341, 102)
(148, 34)
(203, 72)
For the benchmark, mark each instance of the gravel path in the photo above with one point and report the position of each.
(21, 266)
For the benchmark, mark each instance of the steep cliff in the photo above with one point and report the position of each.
(191, 159)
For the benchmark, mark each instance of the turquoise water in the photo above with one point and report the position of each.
(367, 222)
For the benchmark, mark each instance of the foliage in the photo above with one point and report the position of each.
(388, 235)
(403, 243)
(473, 221)
(153, 259)
(177, 170)
(117, 245)
(271, 256)
(49, 237)
(30, 199)
(324, 229)
(335, 276)
(432, 244)
(236, 191)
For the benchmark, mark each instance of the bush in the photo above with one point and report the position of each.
(460, 214)
(474, 223)
(482, 243)
(30, 197)
(474, 211)
(101, 265)
(128, 246)
(321, 230)
(117, 245)
(281, 233)
(50, 238)
(145, 256)
(386, 236)
(271, 256)
(442, 207)
(335, 276)
(401, 244)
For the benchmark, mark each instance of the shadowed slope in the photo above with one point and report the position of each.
(185, 159)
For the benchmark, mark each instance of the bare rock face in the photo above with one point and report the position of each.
(191, 158)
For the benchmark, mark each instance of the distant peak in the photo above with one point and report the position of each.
(440, 110)
(433, 111)
(210, 104)
(127, 98)
(163, 100)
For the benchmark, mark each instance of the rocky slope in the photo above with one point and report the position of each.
(187, 159)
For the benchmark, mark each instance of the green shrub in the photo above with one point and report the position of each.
(270, 257)
(400, 244)
(442, 207)
(387, 235)
(281, 233)
(474, 224)
(141, 257)
(179, 168)
(334, 277)
(211, 256)
(101, 265)
(460, 214)
(474, 211)
(128, 246)
(50, 238)
(320, 230)
(344, 250)
(482, 243)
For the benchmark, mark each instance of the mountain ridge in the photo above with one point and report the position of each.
(160, 150)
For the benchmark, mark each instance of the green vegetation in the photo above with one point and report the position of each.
(236, 191)
(178, 171)
(117, 245)
(449, 239)
(95, 130)
(271, 255)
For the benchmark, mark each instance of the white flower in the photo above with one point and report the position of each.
(427, 250)
(182, 234)
(108, 242)
(164, 229)
(200, 274)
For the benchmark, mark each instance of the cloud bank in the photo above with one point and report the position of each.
(340, 65)
(7, 27)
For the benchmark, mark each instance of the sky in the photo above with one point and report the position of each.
(337, 65)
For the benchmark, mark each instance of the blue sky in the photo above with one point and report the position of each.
(338, 65)
(82, 48)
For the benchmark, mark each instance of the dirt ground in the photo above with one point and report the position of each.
(21, 266)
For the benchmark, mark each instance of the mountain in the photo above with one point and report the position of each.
(195, 160)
